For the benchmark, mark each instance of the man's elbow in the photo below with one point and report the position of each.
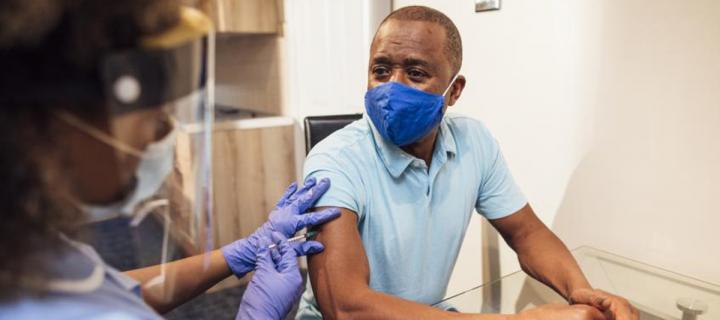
(351, 305)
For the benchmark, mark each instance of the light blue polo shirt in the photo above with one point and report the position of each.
(412, 220)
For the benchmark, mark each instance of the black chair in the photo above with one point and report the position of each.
(318, 128)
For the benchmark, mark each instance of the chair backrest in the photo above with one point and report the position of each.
(318, 128)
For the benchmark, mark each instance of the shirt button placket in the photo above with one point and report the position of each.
(425, 174)
(428, 184)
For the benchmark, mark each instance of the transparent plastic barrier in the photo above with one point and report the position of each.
(657, 293)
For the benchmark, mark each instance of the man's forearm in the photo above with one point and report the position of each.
(183, 280)
(369, 304)
(544, 257)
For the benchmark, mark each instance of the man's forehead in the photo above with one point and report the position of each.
(419, 39)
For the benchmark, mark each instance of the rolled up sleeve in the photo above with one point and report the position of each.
(344, 191)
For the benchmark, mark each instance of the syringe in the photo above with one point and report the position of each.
(297, 238)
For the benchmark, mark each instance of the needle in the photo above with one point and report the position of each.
(297, 238)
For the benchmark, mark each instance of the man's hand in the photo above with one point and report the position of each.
(614, 307)
(561, 312)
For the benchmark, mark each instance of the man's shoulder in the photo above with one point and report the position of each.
(466, 126)
(353, 140)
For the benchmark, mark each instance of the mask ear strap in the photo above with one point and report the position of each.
(451, 83)
(74, 121)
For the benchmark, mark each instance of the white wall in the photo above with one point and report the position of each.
(326, 48)
(608, 112)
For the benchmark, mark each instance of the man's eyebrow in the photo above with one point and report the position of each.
(406, 62)
(415, 62)
(382, 60)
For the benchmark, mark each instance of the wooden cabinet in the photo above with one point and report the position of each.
(243, 16)
(254, 162)
(248, 52)
(248, 73)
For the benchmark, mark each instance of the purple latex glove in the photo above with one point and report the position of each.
(288, 217)
(276, 285)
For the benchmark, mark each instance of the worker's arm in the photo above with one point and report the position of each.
(544, 257)
(340, 280)
(183, 280)
(169, 285)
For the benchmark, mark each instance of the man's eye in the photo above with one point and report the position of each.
(381, 71)
(416, 74)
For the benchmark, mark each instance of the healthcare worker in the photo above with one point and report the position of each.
(106, 116)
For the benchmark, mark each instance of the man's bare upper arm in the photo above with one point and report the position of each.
(342, 268)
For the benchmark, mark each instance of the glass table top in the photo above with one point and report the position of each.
(657, 293)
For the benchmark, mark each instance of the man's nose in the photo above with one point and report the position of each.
(398, 75)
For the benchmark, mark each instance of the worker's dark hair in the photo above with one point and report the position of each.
(453, 44)
(47, 43)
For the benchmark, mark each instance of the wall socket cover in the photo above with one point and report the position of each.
(487, 5)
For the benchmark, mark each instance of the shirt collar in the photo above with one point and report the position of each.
(396, 160)
(447, 139)
(77, 269)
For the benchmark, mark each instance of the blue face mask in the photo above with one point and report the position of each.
(403, 114)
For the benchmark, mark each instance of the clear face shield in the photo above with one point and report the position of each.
(160, 107)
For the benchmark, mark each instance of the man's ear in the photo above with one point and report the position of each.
(456, 90)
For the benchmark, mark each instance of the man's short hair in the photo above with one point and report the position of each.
(453, 43)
